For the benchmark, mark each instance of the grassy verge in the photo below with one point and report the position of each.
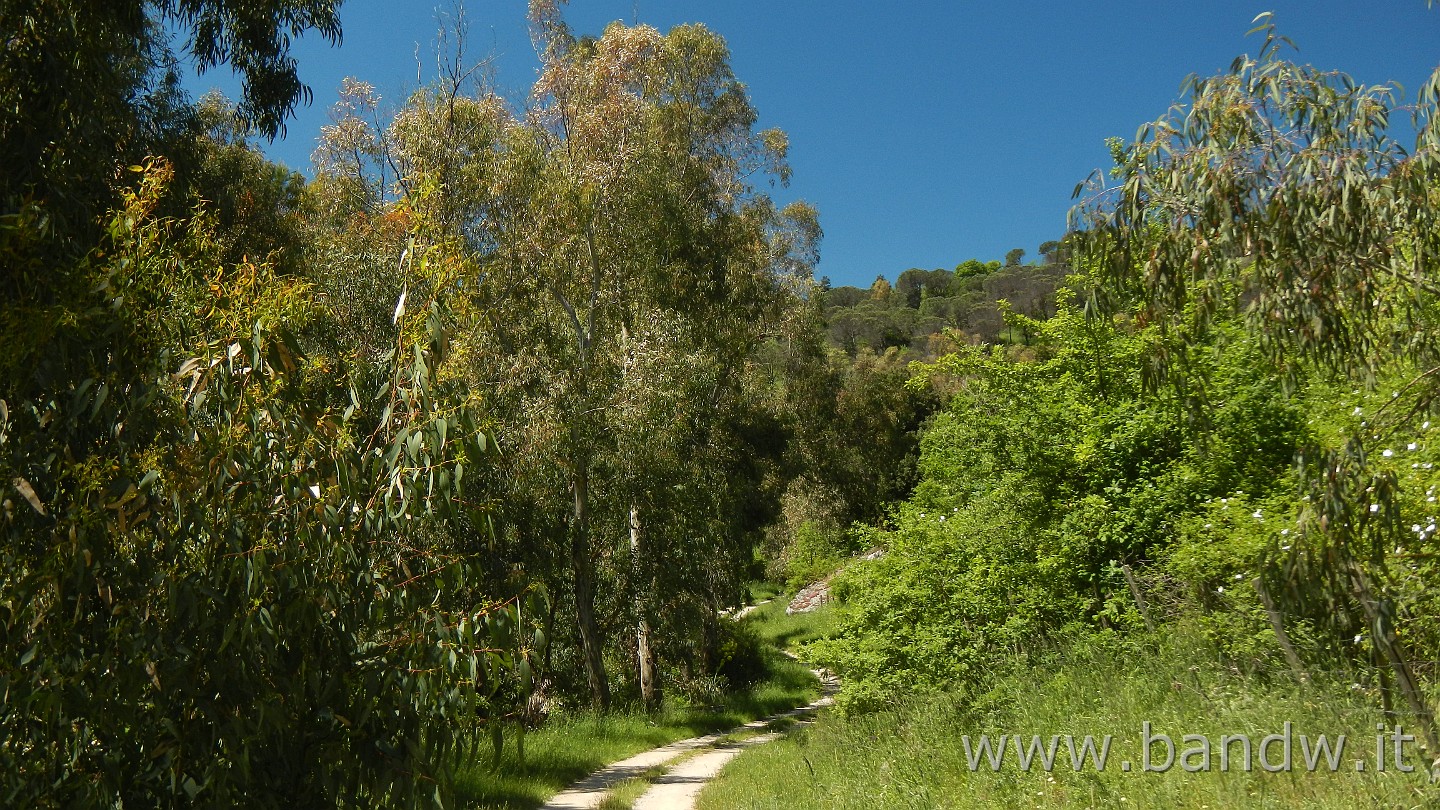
(569, 747)
(914, 756)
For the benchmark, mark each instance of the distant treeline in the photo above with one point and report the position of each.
(922, 304)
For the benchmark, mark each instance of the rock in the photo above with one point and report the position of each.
(818, 593)
(810, 597)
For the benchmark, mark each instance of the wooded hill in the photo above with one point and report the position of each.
(921, 304)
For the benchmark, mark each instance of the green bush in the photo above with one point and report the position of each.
(741, 658)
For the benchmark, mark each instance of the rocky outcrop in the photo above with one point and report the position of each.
(818, 593)
(810, 597)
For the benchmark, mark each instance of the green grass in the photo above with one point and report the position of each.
(790, 632)
(624, 795)
(567, 748)
(760, 590)
(913, 756)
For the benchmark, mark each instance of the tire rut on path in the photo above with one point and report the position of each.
(678, 789)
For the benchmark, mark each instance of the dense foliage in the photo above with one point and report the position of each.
(1045, 474)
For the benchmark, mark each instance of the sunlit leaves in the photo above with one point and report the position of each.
(1278, 194)
(233, 594)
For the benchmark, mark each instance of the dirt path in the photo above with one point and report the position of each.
(677, 789)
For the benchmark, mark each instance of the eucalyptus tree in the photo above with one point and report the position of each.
(219, 578)
(1277, 194)
(86, 87)
(644, 242)
(617, 267)
(218, 587)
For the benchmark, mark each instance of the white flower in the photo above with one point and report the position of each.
(1285, 548)
(1284, 532)
(1374, 507)
(1388, 453)
(1357, 411)
(1415, 528)
(1220, 590)
(1238, 577)
(1357, 641)
(1209, 525)
(942, 518)
(1257, 515)
(1412, 446)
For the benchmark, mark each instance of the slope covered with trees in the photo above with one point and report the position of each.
(925, 310)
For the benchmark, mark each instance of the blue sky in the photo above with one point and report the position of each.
(926, 133)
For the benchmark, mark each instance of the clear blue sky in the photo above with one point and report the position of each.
(925, 132)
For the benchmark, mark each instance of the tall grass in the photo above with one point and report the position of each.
(913, 755)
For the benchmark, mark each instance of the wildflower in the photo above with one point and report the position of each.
(1284, 532)
(1374, 507)
(1388, 453)
(1220, 590)
(1238, 577)
(1257, 515)
(1412, 446)
(1357, 411)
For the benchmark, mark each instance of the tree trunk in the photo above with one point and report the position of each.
(644, 660)
(584, 571)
